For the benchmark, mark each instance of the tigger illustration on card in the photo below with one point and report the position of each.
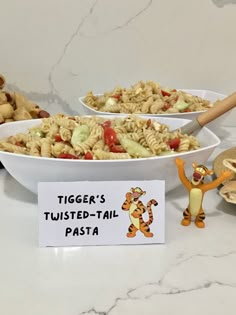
(136, 209)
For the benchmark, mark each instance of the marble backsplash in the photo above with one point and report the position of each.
(54, 51)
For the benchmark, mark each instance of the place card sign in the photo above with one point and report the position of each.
(101, 213)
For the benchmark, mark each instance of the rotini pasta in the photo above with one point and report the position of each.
(13, 148)
(94, 137)
(34, 147)
(61, 147)
(46, 147)
(65, 134)
(103, 155)
(146, 98)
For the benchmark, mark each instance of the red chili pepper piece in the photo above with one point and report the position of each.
(165, 93)
(117, 149)
(110, 136)
(88, 156)
(58, 138)
(67, 156)
(106, 124)
(174, 143)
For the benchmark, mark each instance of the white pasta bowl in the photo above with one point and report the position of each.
(30, 170)
(208, 95)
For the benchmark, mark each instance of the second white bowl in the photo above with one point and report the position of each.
(209, 95)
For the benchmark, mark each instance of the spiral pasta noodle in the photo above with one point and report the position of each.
(46, 147)
(35, 148)
(60, 147)
(65, 134)
(184, 145)
(12, 148)
(155, 146)
(99, 145)
(103, 155)
(53, 129)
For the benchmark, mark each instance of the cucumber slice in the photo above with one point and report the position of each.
(181, 105)
(80, 134)
(134, 148)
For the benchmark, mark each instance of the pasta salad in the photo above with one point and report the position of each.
(97, 138)
(146, 98)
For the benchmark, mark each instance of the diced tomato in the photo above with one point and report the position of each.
(88, 156)
(110, 136)
(174, 143)
(174, 90)
(106, 124)
(166, 106)
(67, 156)
(165, 93)
(149, 121)
(187, 110)
(58, 138)
(117, 149)
(117, 96)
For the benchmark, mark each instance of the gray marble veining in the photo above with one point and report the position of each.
(99, 44)
(222, 3)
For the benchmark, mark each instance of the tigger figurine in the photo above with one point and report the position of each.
(136, 209)
(196, 189)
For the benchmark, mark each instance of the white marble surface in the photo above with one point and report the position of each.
(193, 273)
(54, 51)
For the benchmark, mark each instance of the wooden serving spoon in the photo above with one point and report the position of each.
(219, 108)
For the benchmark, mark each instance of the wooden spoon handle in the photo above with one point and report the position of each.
(217, 110)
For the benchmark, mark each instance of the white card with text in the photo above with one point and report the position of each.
(101, 213)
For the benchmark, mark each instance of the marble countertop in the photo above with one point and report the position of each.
(192, 273)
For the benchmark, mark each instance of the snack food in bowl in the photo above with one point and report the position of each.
(150, 98)
(228, 191)
(95, 148)
(226, 160)
(15, 106)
